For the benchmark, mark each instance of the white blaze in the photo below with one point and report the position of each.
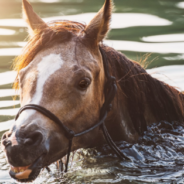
(46, 67)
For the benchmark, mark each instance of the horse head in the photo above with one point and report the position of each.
(60, 69)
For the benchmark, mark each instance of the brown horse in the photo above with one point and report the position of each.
(62, 70)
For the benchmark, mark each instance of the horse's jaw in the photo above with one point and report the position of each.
(28, 173)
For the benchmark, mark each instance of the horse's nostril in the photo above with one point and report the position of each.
(33, 138)
(9, 134)
(6, 142)
(4, 136)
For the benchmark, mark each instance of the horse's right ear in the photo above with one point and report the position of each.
(35, 23)
(99, 26)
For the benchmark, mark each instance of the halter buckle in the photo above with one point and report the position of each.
(70, 134)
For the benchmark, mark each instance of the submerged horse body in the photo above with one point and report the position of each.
(62, 70)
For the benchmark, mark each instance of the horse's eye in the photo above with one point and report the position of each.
(84, 83)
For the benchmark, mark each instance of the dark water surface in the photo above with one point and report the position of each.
(138, 27)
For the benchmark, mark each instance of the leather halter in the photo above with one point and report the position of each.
(110, 91)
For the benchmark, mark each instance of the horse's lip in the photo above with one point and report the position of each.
(19, 169)
(28, 173)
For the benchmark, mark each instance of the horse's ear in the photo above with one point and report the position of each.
(35, 23)
(99, 26)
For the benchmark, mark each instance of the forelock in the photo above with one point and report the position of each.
(56, 32)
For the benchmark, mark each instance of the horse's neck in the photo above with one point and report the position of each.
(119, 123)
(141, 99)
(121, 126)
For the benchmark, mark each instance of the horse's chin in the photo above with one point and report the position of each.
(27, 173)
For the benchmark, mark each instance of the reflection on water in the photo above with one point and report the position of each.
(157, 157)
(7, 77)
(55, 1)
(129, 20)
(12, 23)
(49, 1)
(178, 57)
(174, 47)
(8, 112)
(171, 47)
(10, 51)
(138, 27)
(172, 75)
(8, 103)
(7, 32)
(5, 126)
(165, 38)
(180, 5)
(12, 44)
(8, 92)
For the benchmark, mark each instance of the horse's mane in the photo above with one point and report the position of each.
(142, 91)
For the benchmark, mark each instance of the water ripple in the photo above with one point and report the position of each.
(180, 5)
(9, 112)
(172, 75)
(10, 51)
(6, 125)
(7, 77)
(7, 32)
(165, 38)
(9, 103)
(8, 92)
(174, 47)
(129, 20)
(162, 48)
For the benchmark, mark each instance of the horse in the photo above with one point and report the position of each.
(65, 75)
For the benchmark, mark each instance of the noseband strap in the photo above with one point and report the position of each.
(110, 92)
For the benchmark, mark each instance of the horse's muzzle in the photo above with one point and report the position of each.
(29, 173)
(25, 153)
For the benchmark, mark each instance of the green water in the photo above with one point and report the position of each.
(138, 27)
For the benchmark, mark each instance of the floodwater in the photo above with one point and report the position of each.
(138, 27)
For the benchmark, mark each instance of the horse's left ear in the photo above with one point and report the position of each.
(99, 26)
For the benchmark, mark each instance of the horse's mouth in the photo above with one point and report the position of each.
(27, 173)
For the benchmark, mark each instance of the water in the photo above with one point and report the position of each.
(138, 27)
